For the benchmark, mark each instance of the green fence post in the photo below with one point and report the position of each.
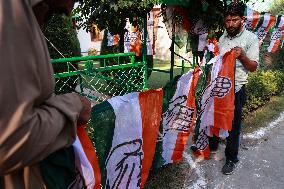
(132, 60)
(98, 79)
(145, 53)
(172, 53)
(182, 66)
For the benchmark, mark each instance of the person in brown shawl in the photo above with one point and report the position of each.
(34, 122)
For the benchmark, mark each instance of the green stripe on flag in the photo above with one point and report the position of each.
(58, 169)
(101, 132)
(201, 85)
(169, 91)
(260, 22)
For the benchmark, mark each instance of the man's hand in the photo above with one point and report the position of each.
(249, 64)
(239, 52)
(85, 112)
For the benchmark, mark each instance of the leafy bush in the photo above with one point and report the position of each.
(278, 60)
(59, 30)
(262, 85)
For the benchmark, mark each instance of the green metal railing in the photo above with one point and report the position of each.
(100, 77)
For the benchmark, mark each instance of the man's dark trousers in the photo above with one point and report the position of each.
(233, 140)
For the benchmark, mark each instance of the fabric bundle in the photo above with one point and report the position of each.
(214, 94)
(125, 133)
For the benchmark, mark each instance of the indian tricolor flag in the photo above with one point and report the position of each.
(212, 46)
(277, 34)
(112, 40)
(215, 102)
(179, 117)
(266, 22)
(86, 162)
(125, 130)
(73, 167)
(252, 19)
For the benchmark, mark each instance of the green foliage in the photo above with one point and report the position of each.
(278, 60)
(60, 31)
(277, 7)
(262, 85)
(112, 14)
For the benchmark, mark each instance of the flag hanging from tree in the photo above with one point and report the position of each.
(277, 34)
(252, 19)
(266, 22)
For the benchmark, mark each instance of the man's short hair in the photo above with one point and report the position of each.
(235, 9)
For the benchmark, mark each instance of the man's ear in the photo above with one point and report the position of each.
(243, 19)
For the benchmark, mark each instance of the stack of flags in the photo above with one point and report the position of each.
(263, 23)
(140, 131)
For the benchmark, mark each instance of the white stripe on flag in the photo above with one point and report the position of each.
(262, 30)
(123, 164)
(83, 164)
(170, 127)
(207, 100)
(202, 41)
(249, 20)
(110, 39)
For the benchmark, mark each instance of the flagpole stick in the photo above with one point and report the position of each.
(172, 48)
(145, 51)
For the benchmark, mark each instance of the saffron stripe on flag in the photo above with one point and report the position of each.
(151, 109)
(268, 22)
(91, 155)
(224, 101)
(176, 119)
(253, 18)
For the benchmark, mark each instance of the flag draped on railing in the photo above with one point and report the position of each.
(140, 131)
(178, 118)
(125, 133)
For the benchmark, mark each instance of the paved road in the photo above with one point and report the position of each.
(261, 165)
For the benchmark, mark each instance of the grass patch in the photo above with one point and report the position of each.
(170, 176)
(264, 115)
(160, 79)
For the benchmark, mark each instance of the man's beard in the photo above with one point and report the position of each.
(233, 31)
